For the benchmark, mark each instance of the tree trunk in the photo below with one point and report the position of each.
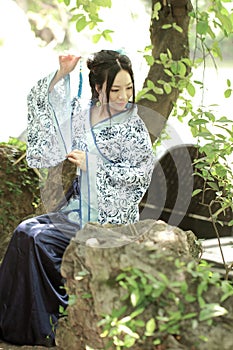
(172, 11)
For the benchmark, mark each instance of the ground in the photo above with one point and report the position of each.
(6, 346)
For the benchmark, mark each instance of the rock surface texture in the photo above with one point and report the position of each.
(99, 254)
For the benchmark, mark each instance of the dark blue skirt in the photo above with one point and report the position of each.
(32, 291)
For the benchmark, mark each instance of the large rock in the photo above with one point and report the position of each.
(99, 254)
(190, 299)
(24, 193)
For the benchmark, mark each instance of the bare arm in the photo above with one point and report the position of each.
(67, 64)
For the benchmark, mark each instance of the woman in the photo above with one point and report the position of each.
(111, 148)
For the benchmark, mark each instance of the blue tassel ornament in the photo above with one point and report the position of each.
(80, 86)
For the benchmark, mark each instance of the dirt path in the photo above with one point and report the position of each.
(6, 346)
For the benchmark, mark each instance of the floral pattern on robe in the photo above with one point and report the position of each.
(119, 153)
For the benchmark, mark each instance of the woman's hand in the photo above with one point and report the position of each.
(78, 158)
(67, 64)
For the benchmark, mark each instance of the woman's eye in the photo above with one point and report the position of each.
(129, 88)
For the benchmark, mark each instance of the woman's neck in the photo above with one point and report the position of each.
(98, 114)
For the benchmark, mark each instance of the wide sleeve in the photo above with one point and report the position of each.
(49, 123)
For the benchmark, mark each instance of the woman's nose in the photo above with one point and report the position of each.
(123, 95)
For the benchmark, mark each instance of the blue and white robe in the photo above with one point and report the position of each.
(118, 151)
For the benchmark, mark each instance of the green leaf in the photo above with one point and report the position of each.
(202, 27)
(118, 342)
(156, 342)
(119, 312)
(127, 330)
(150, 84)
(137, 312)
(149, 59)
(168, 72)
(150, 97)
(163, 57)
(169, 54)
(210, 116)
(72, 299)
(213, 36)
(187, 61)
(121, 276)
(131, 281)
(164, 278)
(139, 323)
(161, 82)
(227, 290)
(150, 327)
(211, 311)
(96, 38)
(156, 9)
(213, 185)
(81, 24)
(67, 2)
(227, 93)
(167, 88)
(174, 67)
(178, 28)
(181, 69)
(87, 296)
(198, 82)
(199, 121)
(167, 26)
(225, 20)
(103, 3)
(203, 338)
(190, 315)
(129, 341)
(216, 49)
(74, 18)
(190, 298)
(125, 320)
(191, 89)
(91, 9)
(158, 90)
(148, 289)
(134, 297)
(221, 170)
(195, 192)
(62, 311)
(224, 120)
(106, 34)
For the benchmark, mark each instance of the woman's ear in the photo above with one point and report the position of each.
(98, 89)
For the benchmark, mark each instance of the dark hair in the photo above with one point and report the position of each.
(104, 66)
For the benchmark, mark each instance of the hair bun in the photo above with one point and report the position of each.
(90, 63)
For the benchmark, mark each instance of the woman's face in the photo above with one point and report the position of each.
(121, 91)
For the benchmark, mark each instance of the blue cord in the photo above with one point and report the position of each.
(80, 86)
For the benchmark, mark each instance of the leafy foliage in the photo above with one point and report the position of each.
(213, 133)
(86, 14)
(212, 24)
(25, 178)
(174, 304)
